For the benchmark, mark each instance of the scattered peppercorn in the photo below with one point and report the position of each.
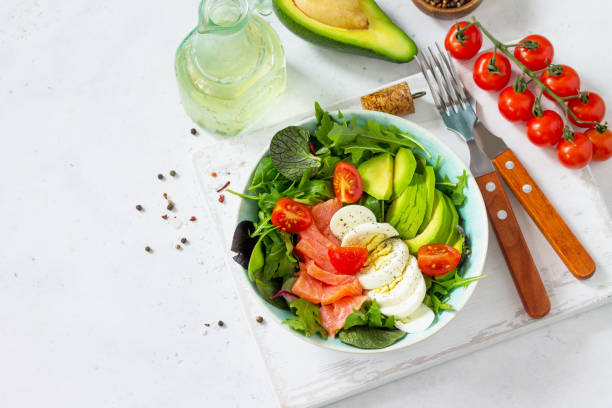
(139, 207)
(166, 196)
(148, 248)
(160, 176)
(170, 206)
(183, 240)
(220, 323)
(213, 174)
(259, 319)
(221, 198)
(192, 218)
(447, 3)
(165, 216)
(173, 173)
(178, 246)
(207, 324)
(194, 131)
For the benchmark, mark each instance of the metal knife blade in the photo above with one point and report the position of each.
(492, 145)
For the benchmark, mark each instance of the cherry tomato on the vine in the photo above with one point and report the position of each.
(437, 259)
(601, 138)
(545, 130)
(589, 106)
(291, 216)
(492, 71)
(538, 58)
(577, 153)
(348, 185)
(516, 106)
(463, 45)
(563, 81)
(347, 260)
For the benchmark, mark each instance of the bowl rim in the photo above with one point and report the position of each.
(469, 290)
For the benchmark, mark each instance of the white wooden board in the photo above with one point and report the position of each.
(307, 376)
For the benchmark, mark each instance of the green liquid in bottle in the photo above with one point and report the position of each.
(230, 67)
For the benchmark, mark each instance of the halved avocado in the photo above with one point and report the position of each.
(430, 183)
(405, 164)
(377, 176)
(354, 26)
(452, 237)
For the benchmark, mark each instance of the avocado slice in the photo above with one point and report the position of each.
(353, 26)
(405, 164)
(377, 176)
(430, 184)
(452, 237)
(400, 204)
(413, 217)
(438, 229)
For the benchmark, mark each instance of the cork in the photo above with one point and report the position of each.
(396, 100)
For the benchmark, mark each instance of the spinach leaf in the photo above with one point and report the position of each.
(269, 288)
(290, 153)
(366, 337)
(369, 314)
(308, 318)
(279, 260)
(374, 205)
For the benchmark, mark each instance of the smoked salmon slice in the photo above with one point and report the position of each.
(334, 293)
(333, 316)
(326, 277)
(322, 214)
(307, 287)
(314, 245)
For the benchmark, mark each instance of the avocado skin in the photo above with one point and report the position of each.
(318, 39)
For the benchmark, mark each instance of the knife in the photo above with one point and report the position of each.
(531, 197)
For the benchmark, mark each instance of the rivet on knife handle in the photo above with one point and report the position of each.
(512, 243)
(556, 231)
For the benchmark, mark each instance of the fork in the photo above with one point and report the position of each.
(457, 110)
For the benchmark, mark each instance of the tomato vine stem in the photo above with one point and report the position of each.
(498, 45)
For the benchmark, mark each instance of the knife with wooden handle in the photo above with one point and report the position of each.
(531, 197)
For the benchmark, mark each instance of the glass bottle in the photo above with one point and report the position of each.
(230, 67)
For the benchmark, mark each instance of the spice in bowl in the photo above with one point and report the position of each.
(447, 3)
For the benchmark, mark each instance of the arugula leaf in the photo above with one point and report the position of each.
(310, 317)
(325, 125)
(279, 260)
(357, 318)
(370, 338)
(290, 153)
(269, 288)
(454, 189)
(265, 175)
(328, 165)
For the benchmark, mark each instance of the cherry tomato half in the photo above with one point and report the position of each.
(545, 130)
(516, 106)
(347, 260)
(565, 83)
(471, 37)
(575, 155)
(536, 59)
(492, 81)
(602, 143)
(348, 186)
(589, 107)
(291, 216)
(437, 259)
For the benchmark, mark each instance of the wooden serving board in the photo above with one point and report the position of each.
(307, 376)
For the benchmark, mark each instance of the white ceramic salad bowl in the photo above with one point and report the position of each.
(472, 212)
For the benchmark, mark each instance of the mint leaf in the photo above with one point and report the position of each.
(310, 316)
(370, 338)
(290, 153)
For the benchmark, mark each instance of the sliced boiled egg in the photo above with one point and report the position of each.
(410, 303)
(400, 288)
(417, 321)
(348, 217)
(385, 263)
(369, 235)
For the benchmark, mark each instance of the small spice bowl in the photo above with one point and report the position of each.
(451, 13)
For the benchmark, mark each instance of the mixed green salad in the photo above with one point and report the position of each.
(357, 234)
